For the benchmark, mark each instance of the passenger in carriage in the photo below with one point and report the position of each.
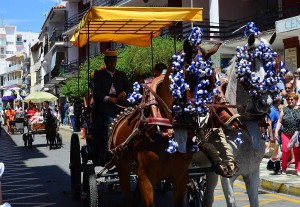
(31, 110)
(159, 68)
(110, 90)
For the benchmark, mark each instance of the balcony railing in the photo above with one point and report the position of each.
(56, 37)
(12, 82)
(75, 19)
(14, 68)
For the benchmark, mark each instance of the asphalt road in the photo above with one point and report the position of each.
(40, 177)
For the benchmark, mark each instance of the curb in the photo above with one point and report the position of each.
(280, 187)
(68, 130)
(277, 187)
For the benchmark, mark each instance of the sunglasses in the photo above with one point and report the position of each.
(289, 99)
(287, 88)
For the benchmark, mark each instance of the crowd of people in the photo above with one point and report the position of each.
(284, 125)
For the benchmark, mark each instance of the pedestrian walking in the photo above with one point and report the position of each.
(274, 162)
(290, 121)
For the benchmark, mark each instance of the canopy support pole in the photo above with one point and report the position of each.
(78, 64)
(88, 53)
(174, 33)
(152, 64)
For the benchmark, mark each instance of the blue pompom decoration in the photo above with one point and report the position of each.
(196, 36)
(251, 28)
(239, 140)
(267, 56)
(135, 96)
(173, 145)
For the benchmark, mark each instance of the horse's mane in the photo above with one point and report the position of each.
(231, 66)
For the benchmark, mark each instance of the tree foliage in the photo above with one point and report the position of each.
(136, 62)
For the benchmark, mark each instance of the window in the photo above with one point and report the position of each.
(2, 51)
(19, 38)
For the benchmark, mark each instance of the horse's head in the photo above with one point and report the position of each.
(254, 67)
(262, 103)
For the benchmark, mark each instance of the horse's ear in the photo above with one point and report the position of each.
(212, 50)
(188, 50)
(251, 39)
(272, 39)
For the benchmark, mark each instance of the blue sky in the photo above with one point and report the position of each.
(27, 15)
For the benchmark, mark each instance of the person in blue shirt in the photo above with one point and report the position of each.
(274, 162)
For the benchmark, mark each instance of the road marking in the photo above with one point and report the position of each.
(280, 197)
(277, 197)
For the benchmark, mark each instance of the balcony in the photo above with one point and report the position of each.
(17, 67)
(56, 37)
(17, 81)
(75, 19)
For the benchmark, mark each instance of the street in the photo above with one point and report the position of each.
(40, 177)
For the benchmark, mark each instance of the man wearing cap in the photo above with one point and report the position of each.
(110, 90)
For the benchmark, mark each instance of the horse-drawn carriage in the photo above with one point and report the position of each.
(142, 138)
(39, 123)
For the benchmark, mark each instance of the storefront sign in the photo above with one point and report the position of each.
(290, 57)
(288, 24)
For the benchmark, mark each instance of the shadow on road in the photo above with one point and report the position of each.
(32, 183)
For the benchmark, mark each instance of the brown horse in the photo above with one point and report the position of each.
(145, 155)
(137, 148)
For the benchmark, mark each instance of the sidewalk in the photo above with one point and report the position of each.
(68, 129)
(287, 184)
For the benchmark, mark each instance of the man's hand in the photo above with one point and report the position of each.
(122, 95)
(112, 100)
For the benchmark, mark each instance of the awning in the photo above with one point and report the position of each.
(129, 25)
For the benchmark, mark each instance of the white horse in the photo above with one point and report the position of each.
(249, 154)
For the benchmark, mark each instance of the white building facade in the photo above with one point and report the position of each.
(14, 53)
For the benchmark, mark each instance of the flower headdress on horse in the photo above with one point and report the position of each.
(246, 55)
(201, 68)
(268, 56)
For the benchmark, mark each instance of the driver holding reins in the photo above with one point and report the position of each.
(110, 88)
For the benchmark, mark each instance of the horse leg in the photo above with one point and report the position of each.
(252, 184)
(180, 187)
(211, 183)
(146, 188)
(124, 177)
(227, 185)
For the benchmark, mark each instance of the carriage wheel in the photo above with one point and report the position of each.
(25, 139)
(58, 141)
(89, 187)
(29, 140)
(164, 186)
(75, 166)
(195, 192)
